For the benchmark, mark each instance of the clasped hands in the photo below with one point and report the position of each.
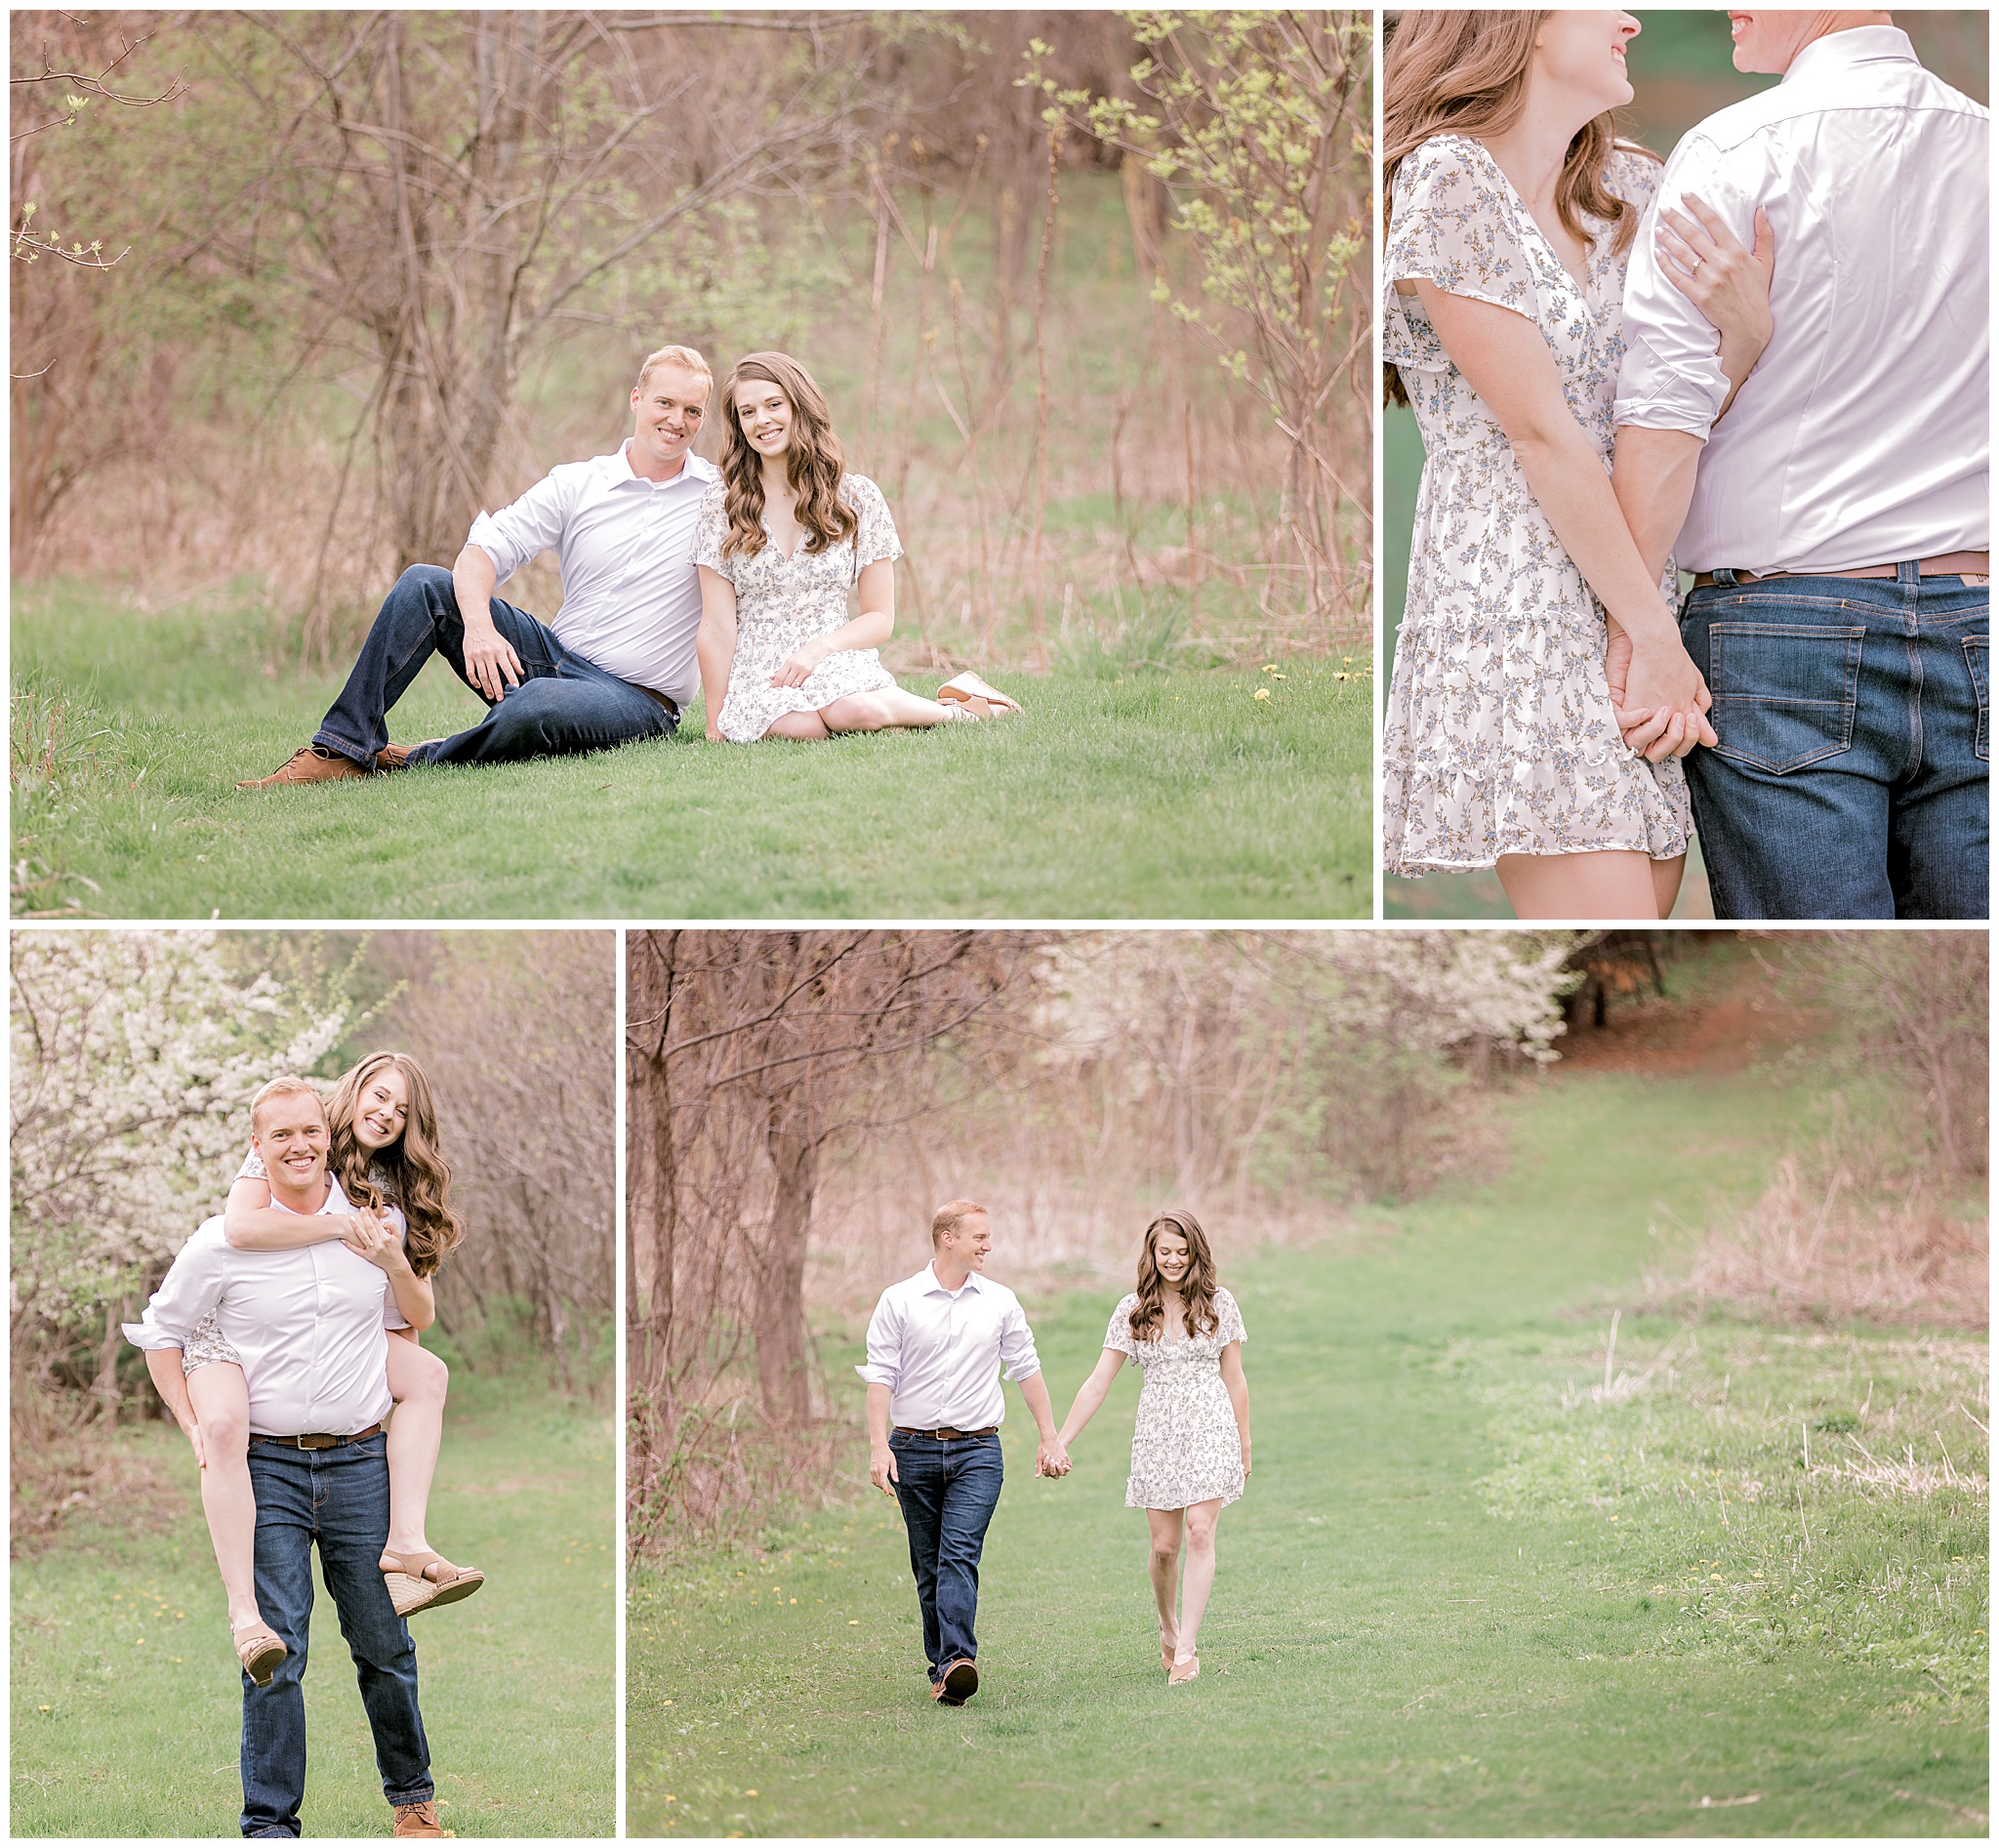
(1052, 1459)
(372, 1237)
(1660, 698)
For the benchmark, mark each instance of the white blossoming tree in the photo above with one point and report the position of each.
(135, 1056)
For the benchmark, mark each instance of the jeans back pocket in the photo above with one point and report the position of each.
(1784, 694)
(1977, 652)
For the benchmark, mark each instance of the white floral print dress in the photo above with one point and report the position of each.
(1184, 1446)
(782, 603)
(1499, 735)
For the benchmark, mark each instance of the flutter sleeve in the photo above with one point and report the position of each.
(876, 540)
(1229, 1319)
(710, 528)
(1119, 1334)
(1452, 225)
(253, 1168)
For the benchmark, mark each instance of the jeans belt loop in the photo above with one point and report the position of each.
(1725, 576)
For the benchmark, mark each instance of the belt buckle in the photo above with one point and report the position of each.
(314, 1440)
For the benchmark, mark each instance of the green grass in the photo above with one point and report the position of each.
(1419, 1627)
(126, 1699)
(1125, 793)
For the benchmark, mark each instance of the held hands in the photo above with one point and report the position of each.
(800, 667)
(490, 663)
(1052, 1459)
(1660, 702)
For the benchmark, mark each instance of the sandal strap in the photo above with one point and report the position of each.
(418, 1566)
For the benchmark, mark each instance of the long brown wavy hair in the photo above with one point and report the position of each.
(419, 1175)
(1196, 1289)
(813, 461)
(1466, 73)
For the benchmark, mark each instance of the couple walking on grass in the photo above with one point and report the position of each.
(937, 1347)
(281, 1337)
(1769, 357)
(677, 577)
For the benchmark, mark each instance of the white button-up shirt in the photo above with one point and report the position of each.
(308, 1324)
(630, 596)
(941, 1352)
(1863, 436)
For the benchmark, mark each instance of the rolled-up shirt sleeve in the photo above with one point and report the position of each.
(1017, 1357)
(1672, 377)
(531, 524)
(190, 1288)
(884, 1366)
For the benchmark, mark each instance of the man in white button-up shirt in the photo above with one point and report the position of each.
(937, 1345)
(1837, 517)
(310, 1327)
(615, 665)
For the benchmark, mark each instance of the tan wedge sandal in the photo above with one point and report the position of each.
(1184, 1671)
(418, 1581)
(260, 1649)
(982, 696)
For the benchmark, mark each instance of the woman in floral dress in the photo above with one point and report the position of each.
(782, 538)
(1190, 1448)
(1541, 698)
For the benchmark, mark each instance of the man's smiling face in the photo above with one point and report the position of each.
(290, 1134)
(667, 407)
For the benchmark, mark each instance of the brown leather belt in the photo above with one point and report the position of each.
(671, 711)
(1976, 564)
(313, 1439)
(944, 1431)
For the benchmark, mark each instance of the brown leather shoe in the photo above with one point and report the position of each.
(309, 763)
(419, 1819)
(396, 756)
(960, 1682)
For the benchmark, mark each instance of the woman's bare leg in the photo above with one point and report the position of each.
(883, 708)
(799, 727)
(222, 1407)
(1665, 883)
(418, 1381)
(1164, 1565)
(1198, 1579)
(1610, 887)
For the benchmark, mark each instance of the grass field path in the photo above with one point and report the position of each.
(127, 1704)
(1382, 1655)
(1134, 795)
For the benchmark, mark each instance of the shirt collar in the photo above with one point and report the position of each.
(336, 1200)
(1856, 45)
(619, 471)
(931, 1281)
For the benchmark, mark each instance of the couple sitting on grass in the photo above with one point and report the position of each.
(676, 575)
(937, 1345)
(269, 1341)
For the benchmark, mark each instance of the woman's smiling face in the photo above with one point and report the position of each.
(1170, 1253)
(765, 416)
(1583, 54)
(382, 1110)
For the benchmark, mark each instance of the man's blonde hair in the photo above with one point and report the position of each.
(286, 1086)
(675, 357)
(951, 1215)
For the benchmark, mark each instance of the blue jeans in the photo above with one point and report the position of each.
(948, 1488)
(562, 704)
(339, 1498)
(1852, 776)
